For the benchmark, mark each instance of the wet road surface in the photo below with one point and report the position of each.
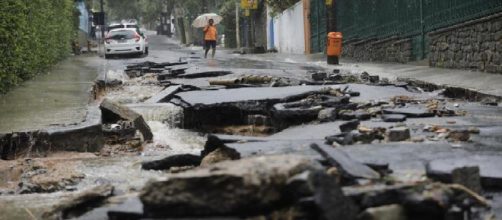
(65, 101)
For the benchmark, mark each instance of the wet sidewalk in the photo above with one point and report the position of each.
(59, 97)
(487, 83)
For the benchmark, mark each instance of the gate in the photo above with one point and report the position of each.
(318, 25)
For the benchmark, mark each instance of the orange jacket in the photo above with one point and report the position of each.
(210, 33)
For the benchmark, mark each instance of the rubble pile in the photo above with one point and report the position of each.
(324, 145)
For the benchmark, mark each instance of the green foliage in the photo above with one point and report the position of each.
(278, 6)
(34, 35)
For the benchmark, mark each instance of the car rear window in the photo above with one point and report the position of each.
(111, 27)
(119, 35)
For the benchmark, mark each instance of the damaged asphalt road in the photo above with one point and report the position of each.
(231, 138)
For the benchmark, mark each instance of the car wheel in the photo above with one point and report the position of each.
(146, 51)
(107, 56)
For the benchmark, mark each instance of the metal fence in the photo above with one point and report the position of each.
(362, 19)
(367, 19)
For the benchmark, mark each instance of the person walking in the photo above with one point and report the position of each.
(210, 36)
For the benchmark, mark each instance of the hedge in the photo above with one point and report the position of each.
(34, 35)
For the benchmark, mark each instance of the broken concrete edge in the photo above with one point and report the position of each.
(77, 203)
(165, 95)
(86, 136)
(451, 91)
(250, 187)
(195, 114)
(487, 183)
(124, 112)
(345, 163)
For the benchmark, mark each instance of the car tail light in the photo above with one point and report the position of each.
(137, 37)
(108, 39)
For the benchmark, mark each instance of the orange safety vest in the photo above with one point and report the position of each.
(210, 33)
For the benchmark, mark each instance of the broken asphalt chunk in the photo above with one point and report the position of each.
(349, 126)
(398, 134)
(181, 160)
(393, 118)
(113, 112)
(79, 203)
(489, 167)
(467, 176)
(350, 167)
(165, 95)
(247, 187)
(411, 112)
(327, 114)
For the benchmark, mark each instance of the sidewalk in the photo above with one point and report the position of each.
(59, 97)
(487, 83)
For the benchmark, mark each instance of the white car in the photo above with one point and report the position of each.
(124, 41)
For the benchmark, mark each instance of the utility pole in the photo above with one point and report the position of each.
(237, 25)
(101, 5)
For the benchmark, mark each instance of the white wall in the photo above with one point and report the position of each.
(288, 30)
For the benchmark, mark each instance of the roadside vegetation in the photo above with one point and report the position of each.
(34, 35)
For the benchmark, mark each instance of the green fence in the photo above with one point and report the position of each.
(367, 19)
(362, 19)
(318, 22)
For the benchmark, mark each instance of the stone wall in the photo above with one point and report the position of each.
(473, 45)
(385, 50)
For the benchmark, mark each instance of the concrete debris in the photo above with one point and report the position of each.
(468, 177)
(489, 170)
(437, 199)
(410, 112)
(398, 134)
(387, 212)
(80, 203)
(327, 114)
(219, 155)
(165, 95)
(459, 135)
(349, 126)
(250, 187)
(393, 118)
(318, 76)
(167, 163)
(140, 69)
(113, 112)
(258, 120)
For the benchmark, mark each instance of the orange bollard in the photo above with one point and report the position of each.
(334, 47)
